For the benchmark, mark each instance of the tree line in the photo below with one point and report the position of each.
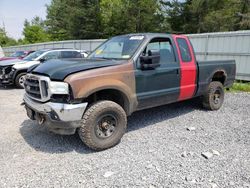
(93, 19)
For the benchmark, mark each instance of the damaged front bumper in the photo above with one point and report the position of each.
(6, 77)
(58, 117)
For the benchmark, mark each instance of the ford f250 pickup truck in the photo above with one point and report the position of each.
(125, 74)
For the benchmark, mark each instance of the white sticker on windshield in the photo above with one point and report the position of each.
(126, 56)
(136, 38)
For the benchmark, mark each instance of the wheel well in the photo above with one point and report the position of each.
(112, 95)
(20, 71)
(220, 77)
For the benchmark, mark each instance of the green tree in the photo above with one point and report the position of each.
(112, 17)
(175, 14)
(6, 40)
(35, 31)
(84, 19)
(243, 14)
(145, 15)
(198, 16)
(57, 19)
(129, 16)
(77, 19)
(88, 19)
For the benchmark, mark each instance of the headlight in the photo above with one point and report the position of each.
(59, 87)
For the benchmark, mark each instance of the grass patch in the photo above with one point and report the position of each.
(241, 86)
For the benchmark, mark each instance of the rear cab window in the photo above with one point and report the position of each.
(184, 50)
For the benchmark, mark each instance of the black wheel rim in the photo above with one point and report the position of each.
(217, 96)
(106, 126)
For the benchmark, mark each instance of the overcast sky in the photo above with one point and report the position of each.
(14, 12)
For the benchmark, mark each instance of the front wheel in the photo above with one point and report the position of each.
(214, 97)
(104, 124)
(20, 79)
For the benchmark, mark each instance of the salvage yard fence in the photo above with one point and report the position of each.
(87, 45)
(224, 46)
(207, 46)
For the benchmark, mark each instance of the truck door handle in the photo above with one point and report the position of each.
(177, 71)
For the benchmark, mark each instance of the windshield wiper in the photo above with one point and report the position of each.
(105, 58)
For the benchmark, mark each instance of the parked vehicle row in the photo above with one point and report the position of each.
(13, 70)
(17, 55)
(127, 73)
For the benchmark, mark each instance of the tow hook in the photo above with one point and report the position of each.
(40, 118)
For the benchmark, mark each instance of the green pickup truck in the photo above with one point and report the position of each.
(127, 73)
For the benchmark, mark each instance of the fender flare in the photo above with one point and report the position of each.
(17, 71)
(130, 101)
(216, 71)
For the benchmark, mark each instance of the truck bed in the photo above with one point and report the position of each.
(207, 70)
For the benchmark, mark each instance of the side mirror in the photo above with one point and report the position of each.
(42, 60)
(151, 61)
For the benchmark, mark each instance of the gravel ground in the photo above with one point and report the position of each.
(157, 150)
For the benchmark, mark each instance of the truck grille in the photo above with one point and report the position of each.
(5, 70)
(36, 87)
(32, 88)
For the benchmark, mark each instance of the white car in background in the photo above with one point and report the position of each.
(84, 53)
(13, 72)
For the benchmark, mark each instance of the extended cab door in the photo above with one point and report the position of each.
(159, 85)
(188, 72)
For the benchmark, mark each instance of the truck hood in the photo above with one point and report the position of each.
(10, 62)
(59, 69)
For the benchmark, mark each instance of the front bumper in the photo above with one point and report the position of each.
(59, 118)
(6, 79)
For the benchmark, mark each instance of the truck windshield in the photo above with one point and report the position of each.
(121, 47)
(34, 55)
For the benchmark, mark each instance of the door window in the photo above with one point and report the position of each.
(70, 54)
(164, 46)
(51, 55)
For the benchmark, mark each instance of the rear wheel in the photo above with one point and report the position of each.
(214, 98)
(104, 124)
(20, 79)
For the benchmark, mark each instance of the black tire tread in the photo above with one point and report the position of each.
(206, 98)
(84, 130)
(17, 80)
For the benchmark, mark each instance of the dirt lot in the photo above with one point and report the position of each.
(157, 151)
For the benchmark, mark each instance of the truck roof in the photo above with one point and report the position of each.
(147, 34)
(50, 49)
